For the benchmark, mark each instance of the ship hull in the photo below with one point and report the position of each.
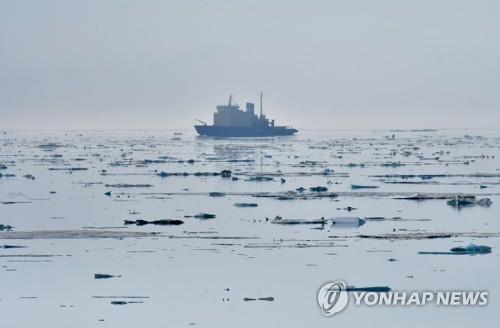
(243, 131)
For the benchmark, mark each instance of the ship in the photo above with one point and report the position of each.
(231, 121)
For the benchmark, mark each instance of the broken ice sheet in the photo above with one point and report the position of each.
(178, 268)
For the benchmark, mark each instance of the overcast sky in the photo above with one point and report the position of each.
(321, 64)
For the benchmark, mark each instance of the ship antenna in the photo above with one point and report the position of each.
(261, 94)
(230, 99)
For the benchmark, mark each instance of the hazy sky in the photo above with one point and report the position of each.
(160, 64)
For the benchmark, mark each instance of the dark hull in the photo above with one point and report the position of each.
(229, 131)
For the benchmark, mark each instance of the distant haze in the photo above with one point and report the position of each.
(98, 64)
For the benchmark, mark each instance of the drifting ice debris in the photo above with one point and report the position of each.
(128, 185)
(11, 246)
(376, 289)
(298, 221)
(245, 205)
(225, 173)
(430, 176)
(216, 194)
(409, 236)
(392, 164)
(269, 299)
(348, 208)
(355, 186)
(49, 146)
(318, 189)
(421, 196)
(75, 234)
(279, 220)
(289, 195)
(484, 202)
(351, 221)
(203, 216)
(381, 218)
(68, 169)
(421, 235)
(260, 178)
(12, 202)
(5, 227)
(104, 276)
(469, 200)
(156, 222)
(471, 249)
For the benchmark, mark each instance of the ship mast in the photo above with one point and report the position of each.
(230, 99)
(261, 94)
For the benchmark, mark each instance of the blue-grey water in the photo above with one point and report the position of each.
(52, 194)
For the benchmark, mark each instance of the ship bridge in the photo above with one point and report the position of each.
(232, 115)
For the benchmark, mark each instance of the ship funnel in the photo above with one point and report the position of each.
(250, 108)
